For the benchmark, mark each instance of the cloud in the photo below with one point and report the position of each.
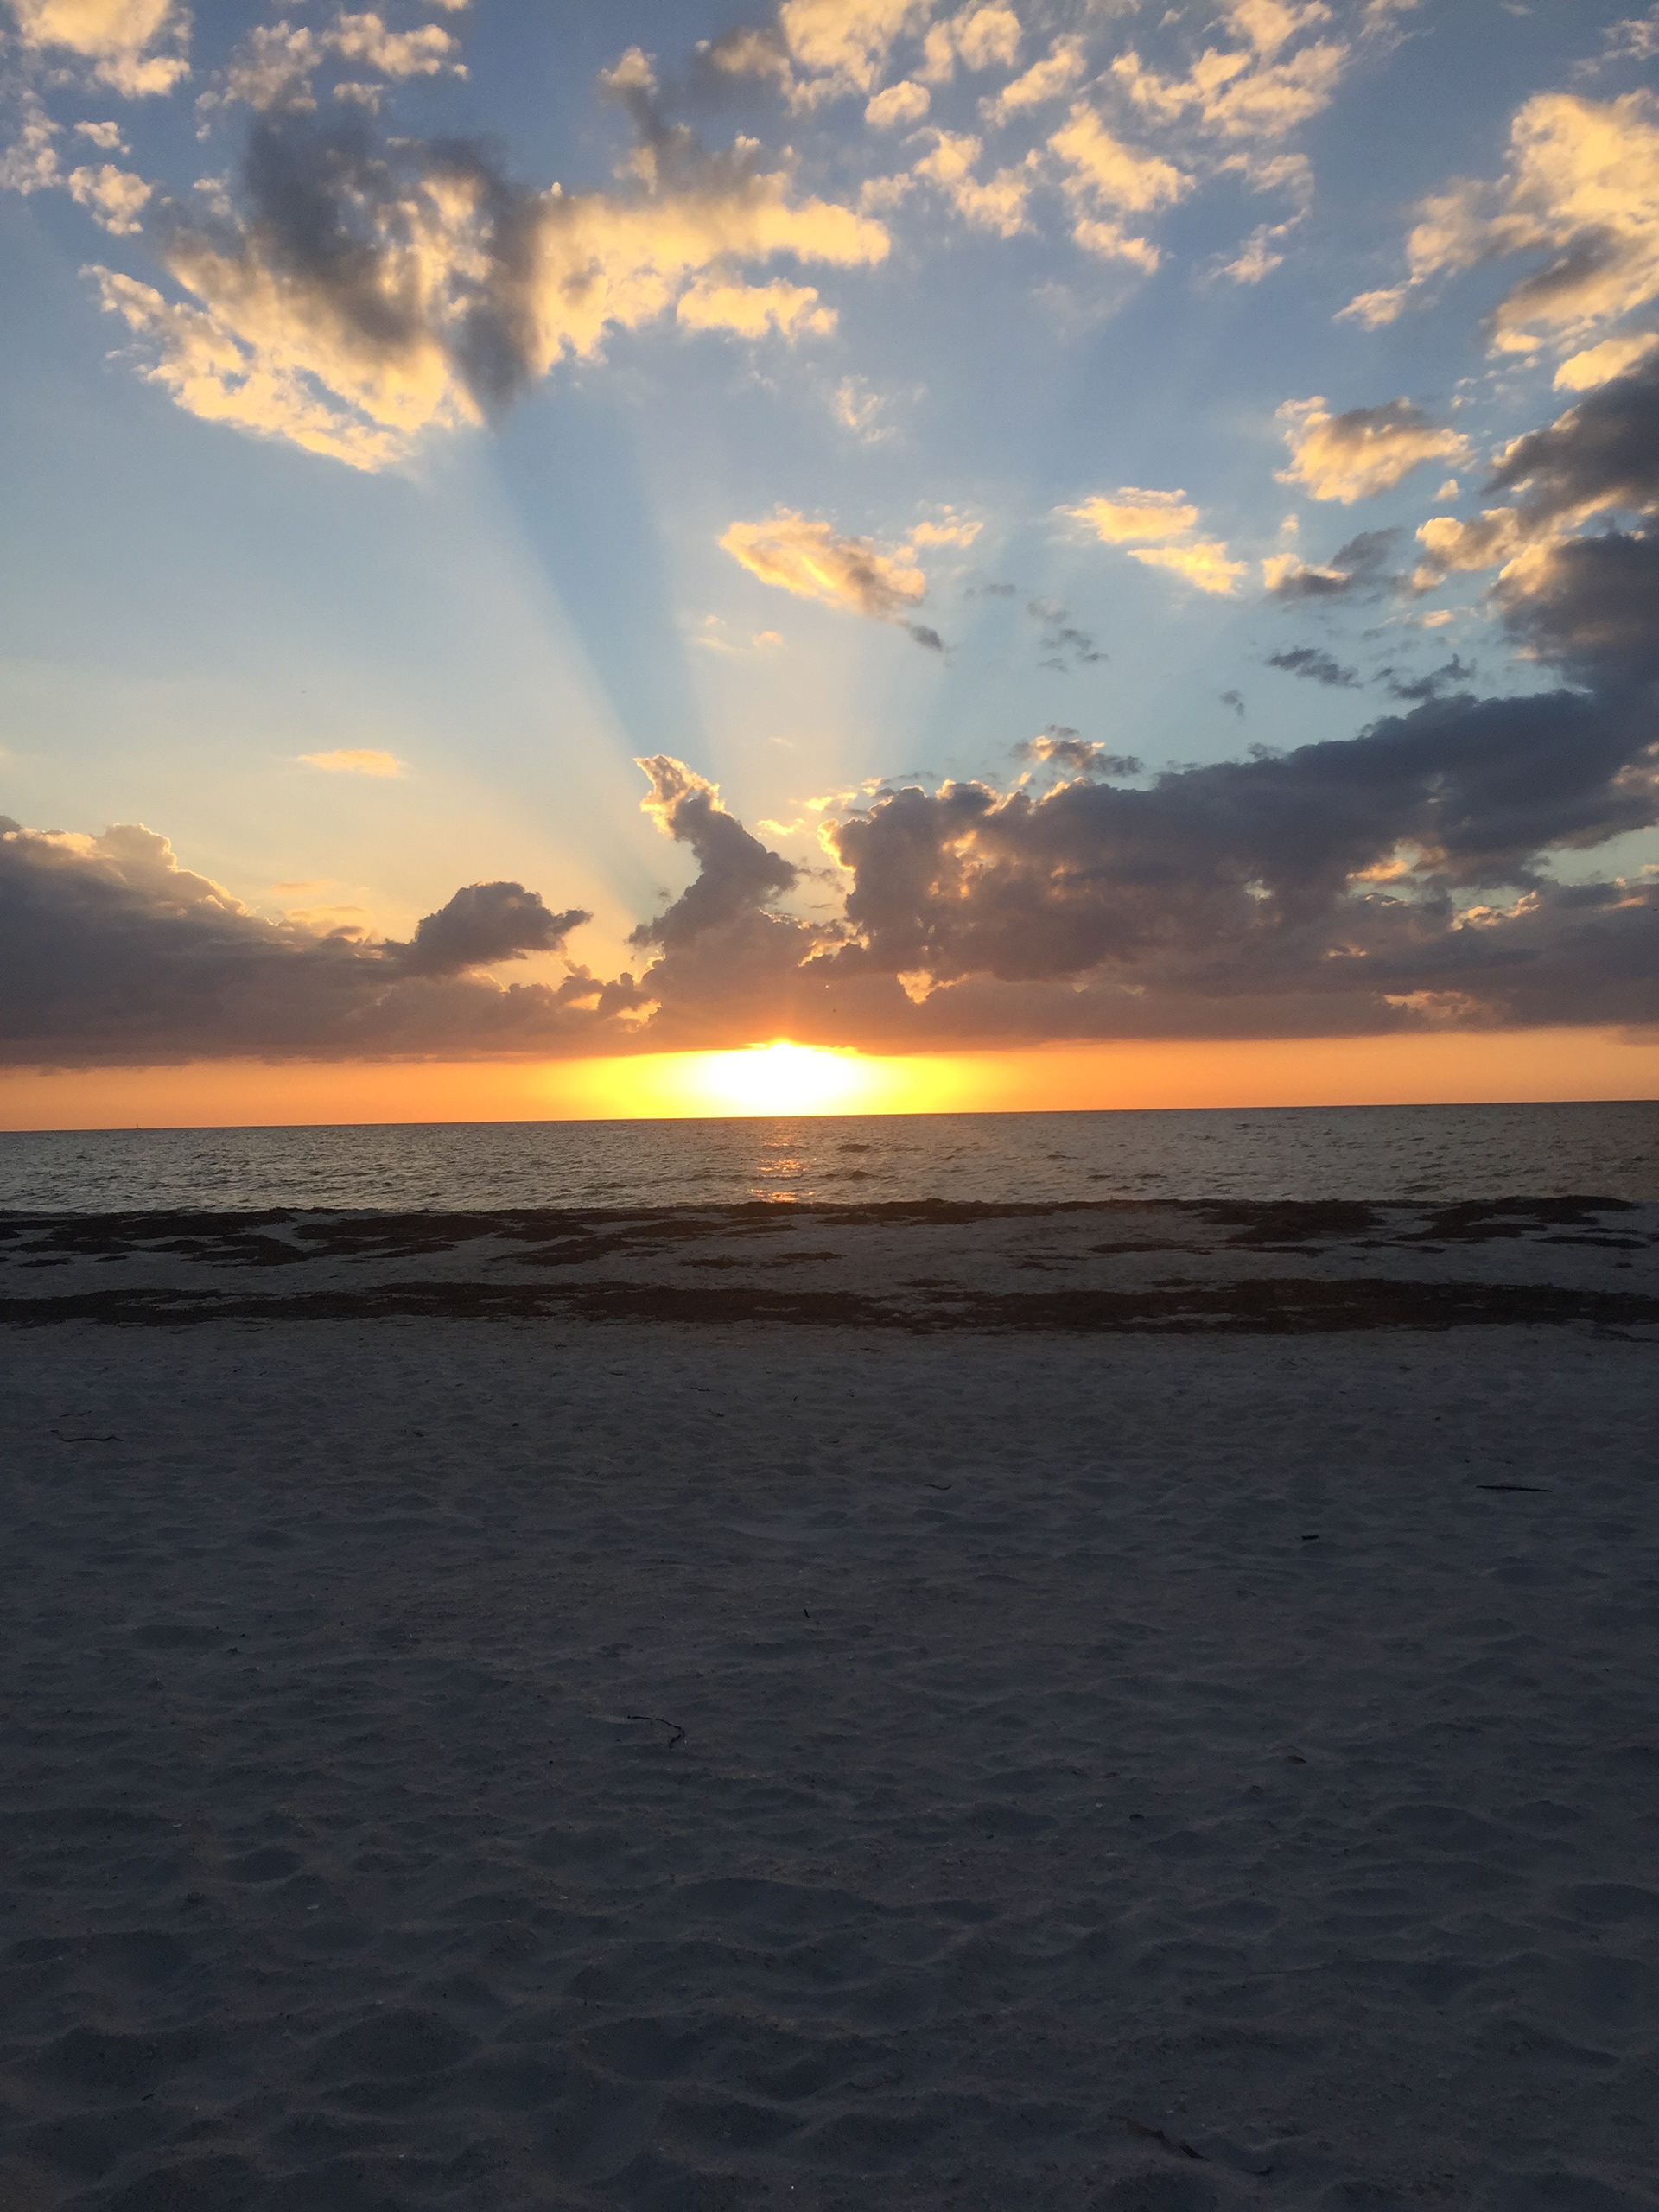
(1104, 178)
(1580, 189)
(809, 559)
(1135, 514)
(118, 37)
(1061, 747)
(952, 528)
(736, 874)
(1065, 645)
(1581, 371)
(115, 197)
(1366, 450)
(1140, 514)
(1203, 564)
(1046, 80)
(1454, 674)
(1317, 667)
(363, 291)
(1256, 258)
(425, 52)
(1391, 881)
(1601, 455)
(1316, 891)
(845, 44)
(1243, 92)
(1359, 568)
(354, 761)
(860, 410)
(979, 36)
(485, 924)
(1591, 605)
(1603, 452)
(997, 203)
(901, 105)
(754, 310)
(124, 957)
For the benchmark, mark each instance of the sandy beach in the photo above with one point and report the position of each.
(1152, 1709)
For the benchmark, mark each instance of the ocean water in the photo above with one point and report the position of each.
(1354, 1152)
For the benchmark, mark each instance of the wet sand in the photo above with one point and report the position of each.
(1114, 1707)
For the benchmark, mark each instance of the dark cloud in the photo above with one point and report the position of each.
(1590, 605)
(485, 923)
(991, 591)
(1065, 645)
(1361, 872)
(1358, 569)
(1234, 699)
(1603, 452)
(924, 636)
(1452, 675)
(113, 952)
(1393, 879)
(1317, 667)
(737, 873)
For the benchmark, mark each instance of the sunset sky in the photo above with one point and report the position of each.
(548, 534)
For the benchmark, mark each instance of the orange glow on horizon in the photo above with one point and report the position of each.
(785, 1079)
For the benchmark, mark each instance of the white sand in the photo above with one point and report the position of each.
(1117, 1771)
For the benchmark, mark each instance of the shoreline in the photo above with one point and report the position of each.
(1146, 1268)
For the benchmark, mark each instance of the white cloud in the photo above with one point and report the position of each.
(1256, 258)
(426, 51)
(1367, 450)
(999, 203)
(980, 37)
(846, 44)
(1046, 80)
(115, 197)
(1236, 94)
(1102, 178)
(904, 103)
(115, 35)
(1103, 169)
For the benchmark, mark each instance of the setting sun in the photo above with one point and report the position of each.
(780, 1079)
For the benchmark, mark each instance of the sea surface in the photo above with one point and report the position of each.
(1353, 1151)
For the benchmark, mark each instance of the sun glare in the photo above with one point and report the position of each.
(781, 1079)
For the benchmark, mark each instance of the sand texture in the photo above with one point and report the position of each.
(1180, 1756)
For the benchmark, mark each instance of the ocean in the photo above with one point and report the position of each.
(1439, 1152)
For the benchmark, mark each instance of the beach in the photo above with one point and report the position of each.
(1150, 1708)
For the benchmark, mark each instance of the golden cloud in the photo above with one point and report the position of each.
(360, 760)
(1367, 450)
(809, 559)
(1135, 514)
(113, 36)
(1581, 185)
(1204, 564)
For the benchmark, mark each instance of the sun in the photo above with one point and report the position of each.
(781, 1079)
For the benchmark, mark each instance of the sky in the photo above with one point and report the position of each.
(551, 536)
